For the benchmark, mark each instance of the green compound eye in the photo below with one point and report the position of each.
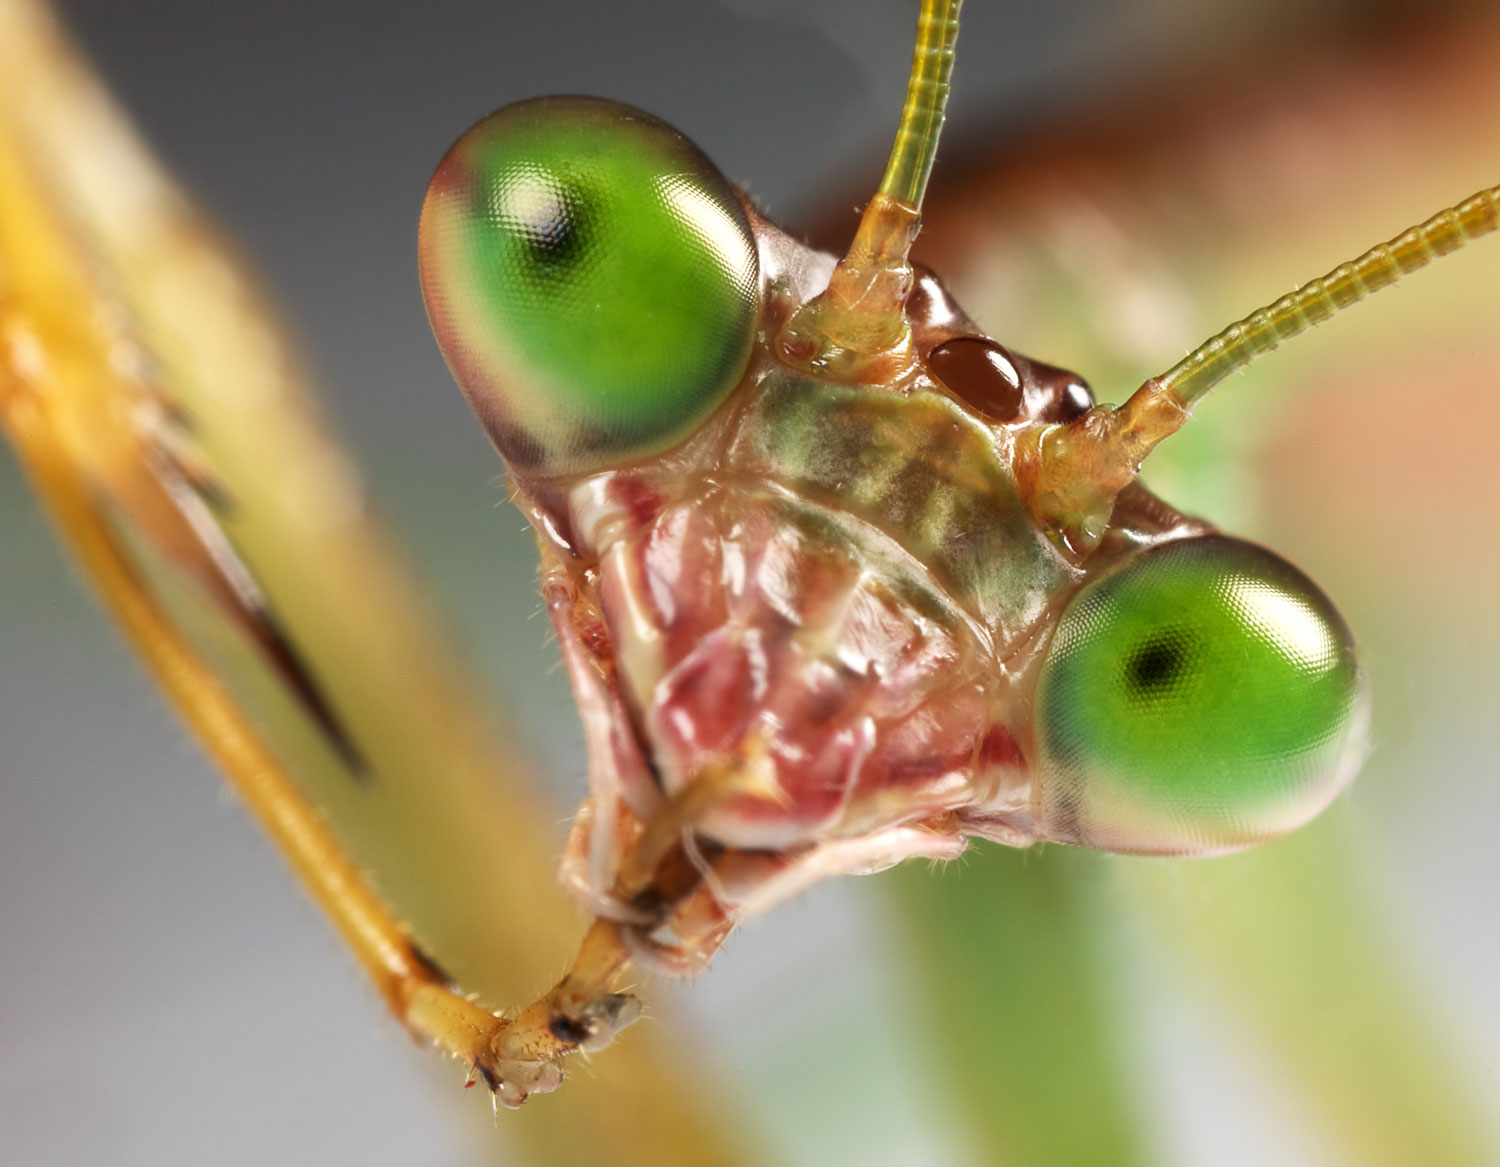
(1202, 698)
(592, 281)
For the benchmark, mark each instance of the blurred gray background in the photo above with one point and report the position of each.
(166, 994)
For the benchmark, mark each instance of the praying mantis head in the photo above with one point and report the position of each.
(658, 364)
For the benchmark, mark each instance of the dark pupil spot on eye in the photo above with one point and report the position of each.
(548, 225)
(556, 238)
(1156, 666)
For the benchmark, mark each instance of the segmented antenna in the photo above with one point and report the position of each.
(860, 319)
(1349, 283)
(926, 97)
(1076, 470)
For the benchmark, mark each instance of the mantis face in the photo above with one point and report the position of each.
(829, 590)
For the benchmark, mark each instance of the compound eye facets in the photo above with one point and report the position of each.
(592, 281)
(1201, 698)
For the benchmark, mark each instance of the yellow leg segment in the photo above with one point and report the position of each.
(65, 406)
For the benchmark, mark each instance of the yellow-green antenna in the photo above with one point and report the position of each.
(1349, 283)
(926, 97)
(1078, 468)
(860, 319)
